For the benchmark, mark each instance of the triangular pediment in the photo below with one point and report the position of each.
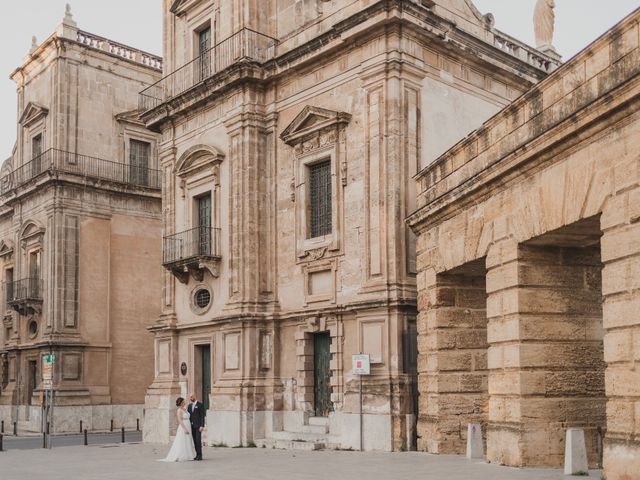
(310, 120)
(180, 6)
(132, 116)
(32, 113)
(6, 248)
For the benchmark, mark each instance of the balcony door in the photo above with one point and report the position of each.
(203, 65)
(203, 204)
(33, 282)
(139, 162)
(36, 155)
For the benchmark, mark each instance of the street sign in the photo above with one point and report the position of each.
(361, 364)
(47, 371)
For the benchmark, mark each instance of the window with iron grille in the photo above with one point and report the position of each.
(320, 199)
(139, 162)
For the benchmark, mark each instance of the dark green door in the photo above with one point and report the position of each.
(206, 375)
(322, 374)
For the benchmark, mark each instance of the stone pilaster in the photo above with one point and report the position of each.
(546, 369)
(452, 364)
(621, 321)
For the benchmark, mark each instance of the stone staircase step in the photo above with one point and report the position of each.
(289, 444)
(319, 421)
(298, 436)
(318, 429)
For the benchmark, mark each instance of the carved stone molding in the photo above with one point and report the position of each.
(315, 254)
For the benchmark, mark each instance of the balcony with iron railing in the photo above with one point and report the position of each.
(24, 296)
(192, 252)
(55, 161)
(244, 46)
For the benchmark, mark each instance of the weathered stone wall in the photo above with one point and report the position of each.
(367, 86)
(452, 328)
(96, 230)
(546, 193)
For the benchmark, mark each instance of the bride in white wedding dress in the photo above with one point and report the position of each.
(182, 449)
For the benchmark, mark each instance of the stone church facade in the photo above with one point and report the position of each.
(290, 133)
(80, 229)
(528, 270)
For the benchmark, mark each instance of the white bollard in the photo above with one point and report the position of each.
(575, 452)
(475, 448)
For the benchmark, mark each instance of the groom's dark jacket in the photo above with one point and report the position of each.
(197, 414)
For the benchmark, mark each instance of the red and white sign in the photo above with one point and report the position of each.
(361, 364)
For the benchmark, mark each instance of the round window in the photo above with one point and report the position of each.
(203, 298)
(33, 328)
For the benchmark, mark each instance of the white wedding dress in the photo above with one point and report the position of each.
(182, 449)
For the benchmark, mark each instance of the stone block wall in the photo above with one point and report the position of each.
(452, 361)
(545, 356)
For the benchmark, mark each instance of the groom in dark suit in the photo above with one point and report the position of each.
(197, 414)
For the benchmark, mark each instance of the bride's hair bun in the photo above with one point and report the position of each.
(179, 401)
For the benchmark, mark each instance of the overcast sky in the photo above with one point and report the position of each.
(138, 23)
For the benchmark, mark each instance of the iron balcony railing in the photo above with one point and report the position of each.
(27, 289)
(194, 243)
(246, 44)
(59, 161)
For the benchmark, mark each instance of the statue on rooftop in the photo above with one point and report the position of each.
(544, 23)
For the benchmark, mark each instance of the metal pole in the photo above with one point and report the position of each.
(122, 434)
(15, 429)
(112, 424)
(1, 446)
(85, 438)
(137, 424)
(52, 396)
(80, 426)
(44, 439)
(361, 436)
(2, 426)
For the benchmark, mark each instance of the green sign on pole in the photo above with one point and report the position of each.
(49, 358)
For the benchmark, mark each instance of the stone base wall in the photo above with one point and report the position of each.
(67, 418)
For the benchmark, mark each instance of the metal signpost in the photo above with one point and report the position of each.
(48, 362)
(361, 365)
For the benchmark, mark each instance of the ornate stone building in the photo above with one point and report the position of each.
(290, 133)
(80, 228)
(529, 267)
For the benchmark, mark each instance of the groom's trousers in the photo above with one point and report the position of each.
(197, 440)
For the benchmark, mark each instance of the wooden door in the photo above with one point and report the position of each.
(206, 375)
(31, 385)
(322, 374)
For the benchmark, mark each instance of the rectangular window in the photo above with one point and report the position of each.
(139, 162)
(320, 199)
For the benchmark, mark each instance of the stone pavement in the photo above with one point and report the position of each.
(137, 461)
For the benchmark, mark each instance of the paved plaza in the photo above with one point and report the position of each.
(137, 461)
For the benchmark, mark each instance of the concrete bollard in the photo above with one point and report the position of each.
(575, 453)
(475, 448)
